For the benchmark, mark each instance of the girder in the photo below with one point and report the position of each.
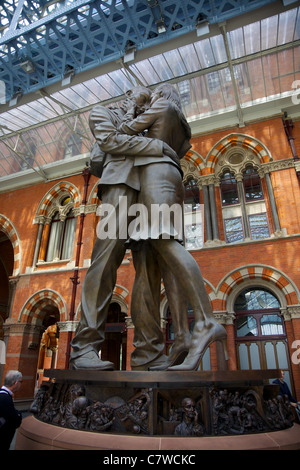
(54, 38)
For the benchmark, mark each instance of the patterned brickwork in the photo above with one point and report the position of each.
(55, 193)
(258, 272)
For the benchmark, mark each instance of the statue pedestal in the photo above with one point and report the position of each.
(146, 410)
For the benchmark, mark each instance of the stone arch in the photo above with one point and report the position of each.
(54, 195)
(31, 311)
(93, 198)
(120, 296)
(10, 231)
(192, 164)
(242, 141)
(260, 275)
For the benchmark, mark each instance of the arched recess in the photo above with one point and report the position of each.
(262, 275)
(33, 310)
(242, 141)
(10, 231)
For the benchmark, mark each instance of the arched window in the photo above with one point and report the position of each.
(252, 185)
(260, 331)
(228, 187)
(55, 239)
(243, 206)
(61, 237)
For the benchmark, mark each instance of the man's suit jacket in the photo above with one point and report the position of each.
(121, 150)
(12, 417)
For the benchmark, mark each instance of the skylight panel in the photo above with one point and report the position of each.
(252, 38)
(145, 71)
(205, 53)
(175, 63)
(161, 67)
(286, 28)
(269, 32)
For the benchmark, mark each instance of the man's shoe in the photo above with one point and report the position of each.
(90, 361)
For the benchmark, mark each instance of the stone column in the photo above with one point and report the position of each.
(44, 239)
(272, 203)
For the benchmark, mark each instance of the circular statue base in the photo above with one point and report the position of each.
(36, 435)
(124, 410)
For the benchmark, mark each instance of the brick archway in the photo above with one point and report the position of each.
(55, 193)
(237, 140)
(10, 231)
(31, 311)
(267, 274)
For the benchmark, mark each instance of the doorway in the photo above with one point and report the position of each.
(114, 347)
(261, 341)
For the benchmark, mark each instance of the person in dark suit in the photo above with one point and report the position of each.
(10, 418)
(119, 180)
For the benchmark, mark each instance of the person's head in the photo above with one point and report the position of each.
(13, 380)
(168, 92)
(282, 374)
(140, 95)
(188, 406)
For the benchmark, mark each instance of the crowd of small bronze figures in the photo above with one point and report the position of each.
(231, 412)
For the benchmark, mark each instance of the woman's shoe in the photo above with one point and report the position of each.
(178, 352)
(206, 338)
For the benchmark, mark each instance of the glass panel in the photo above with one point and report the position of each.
(191, 195)
(175, 62)
(243, 355)
(286, 26)
(255, 299)
(234, 230)
(282, 355)
(193, 236)
(218, 48)
(252, 185)
(205, 362)
(254, 356)
(259, 227)
(68, 238)
(236, 43)
(252, 37)
(270, 356)
(55, 239)
(205, 53)
(190, 58)
(271, 325)
(269, 32)
(171, 335)
(229, 192)
(246, 326)
(160, 67)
